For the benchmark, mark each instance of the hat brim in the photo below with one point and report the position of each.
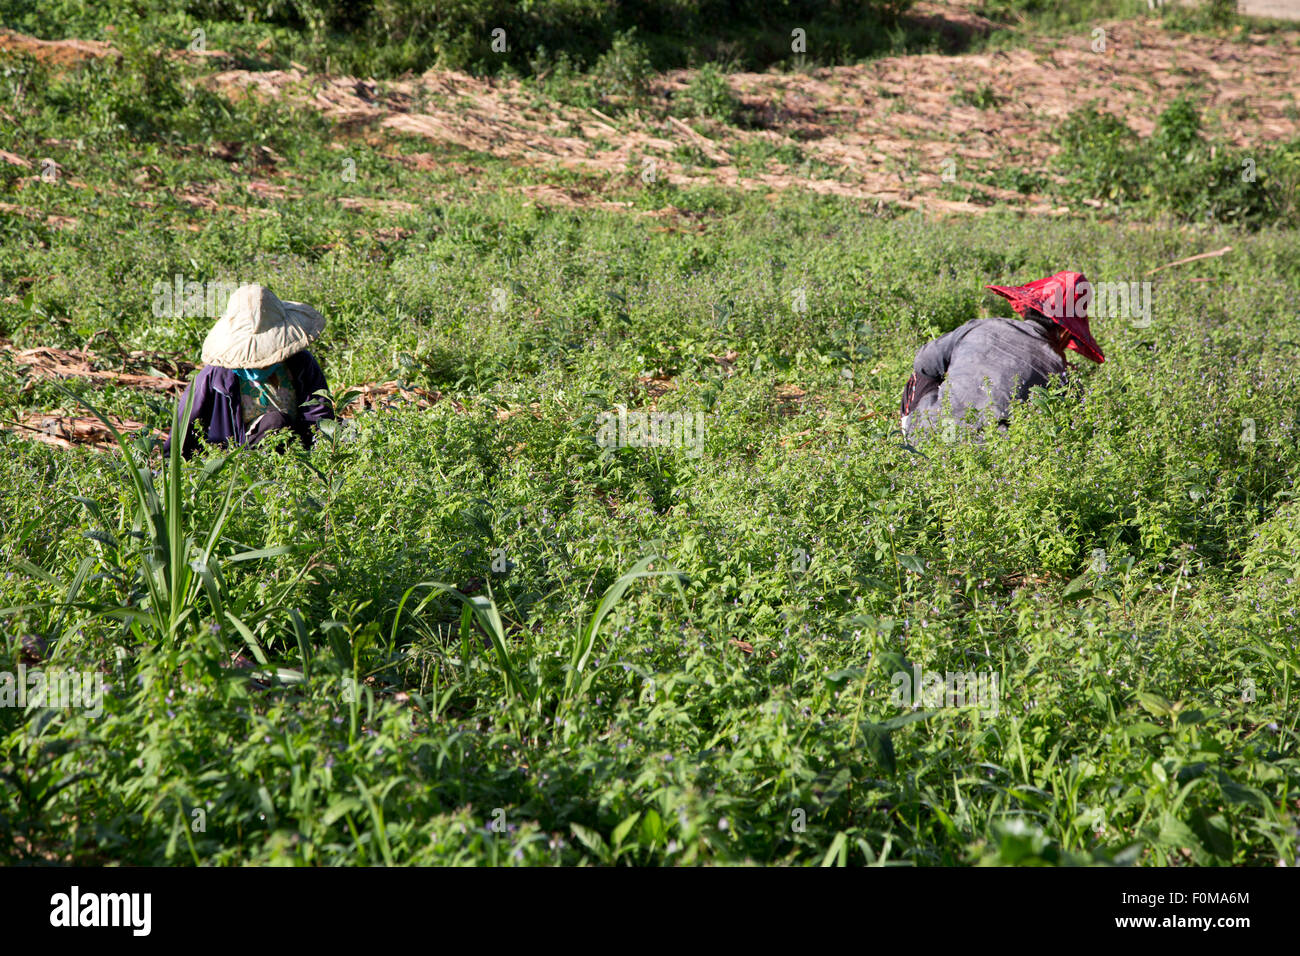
(1081, 339)
(301, 326)
(1016, 296)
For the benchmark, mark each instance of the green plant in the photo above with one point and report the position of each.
(709, 94)
(169, 560)
(982, 97)
(1098, 156)
(622, 74)
(485, 612)
(1174, 170)
(1145, 708)
(1205, 15)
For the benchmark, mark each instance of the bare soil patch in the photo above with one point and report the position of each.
(891, 131)
(886, 131)
(59, 53)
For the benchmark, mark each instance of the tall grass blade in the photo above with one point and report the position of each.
(586, 642)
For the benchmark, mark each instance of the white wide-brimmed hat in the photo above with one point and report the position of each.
(258, 329)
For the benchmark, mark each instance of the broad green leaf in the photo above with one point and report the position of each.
(589, 838)
(621, 831)
(878, 743)
(1154, 704)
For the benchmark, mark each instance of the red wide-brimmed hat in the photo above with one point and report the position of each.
(1064, 299)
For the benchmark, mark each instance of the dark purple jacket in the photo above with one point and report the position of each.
(217, 406)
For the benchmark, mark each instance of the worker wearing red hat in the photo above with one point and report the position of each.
(987, 363)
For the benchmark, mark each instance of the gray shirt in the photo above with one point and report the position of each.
(984, 365)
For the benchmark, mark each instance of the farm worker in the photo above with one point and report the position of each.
(257, 376)
(987, 363)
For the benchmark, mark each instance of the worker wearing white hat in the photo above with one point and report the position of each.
(258, 376)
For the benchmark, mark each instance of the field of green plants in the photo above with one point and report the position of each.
(468, 633)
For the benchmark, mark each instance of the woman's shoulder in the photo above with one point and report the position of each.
(214, 376)
(300, 360)
(306, 371)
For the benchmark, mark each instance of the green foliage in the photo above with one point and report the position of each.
(165, 569)
(709, 94)
(1098, 156)
(983, 97)
(619, 80)
(549, 701)
(623, 71)
(1203, 15)
(390, 37)
(1197, 15)
(1174, 171)
(389, 723)
(758, 155)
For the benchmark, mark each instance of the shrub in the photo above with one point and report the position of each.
(982, 97)
(1175, 170)
(709, 94)
(622, 73)
(1097, 156)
